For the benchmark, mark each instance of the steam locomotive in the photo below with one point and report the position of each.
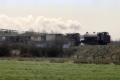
(101, 38)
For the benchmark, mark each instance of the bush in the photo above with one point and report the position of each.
(4, 50)
(69, 52)
(54, 52)
(33, 51)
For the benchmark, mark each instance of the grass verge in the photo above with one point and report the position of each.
(35, 70)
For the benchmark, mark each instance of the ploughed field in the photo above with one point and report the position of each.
(37, 70)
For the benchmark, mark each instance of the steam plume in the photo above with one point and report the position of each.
(39, 24)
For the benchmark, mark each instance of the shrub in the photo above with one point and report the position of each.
(54, 52)
(4, 50)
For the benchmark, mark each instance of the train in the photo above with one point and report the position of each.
(100, 38)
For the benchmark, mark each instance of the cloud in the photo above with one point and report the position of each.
(39, 24)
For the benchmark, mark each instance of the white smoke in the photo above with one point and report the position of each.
(39, 24)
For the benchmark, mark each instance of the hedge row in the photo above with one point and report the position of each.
(28, 50)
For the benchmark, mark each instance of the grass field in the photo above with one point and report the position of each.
(35, 70)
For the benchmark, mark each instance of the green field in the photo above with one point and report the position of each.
(35, 70)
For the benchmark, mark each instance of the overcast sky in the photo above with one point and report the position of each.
(93, 15)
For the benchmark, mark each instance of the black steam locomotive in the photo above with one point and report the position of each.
(101, 38)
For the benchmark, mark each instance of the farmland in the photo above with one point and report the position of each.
(77, 63)
(43, 70)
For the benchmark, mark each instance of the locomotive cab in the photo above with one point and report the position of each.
(103, 38)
